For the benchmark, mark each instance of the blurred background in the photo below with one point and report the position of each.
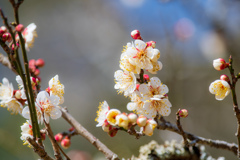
(81, 41)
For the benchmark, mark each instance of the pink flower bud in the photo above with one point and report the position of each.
(71, 129)
(58, 137)
(19, 28)
(6, 37)
(183, 113)
(37, 72)
(65, 143)
(18, 94)
(40, 62)
(151, 44)
(146, 77)
(113, 132)
(141, 121)
(3, 30)
(219, 64)
(32, 62)
(132, 118)
(224, 78)
(135, 34)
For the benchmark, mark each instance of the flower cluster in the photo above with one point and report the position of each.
(148, 95)
(221, 87)
(111, 120)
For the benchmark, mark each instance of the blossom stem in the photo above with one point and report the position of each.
(235, 104)
(181, 129)
(93, 140)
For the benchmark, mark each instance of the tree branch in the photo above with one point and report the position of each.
(93, 140)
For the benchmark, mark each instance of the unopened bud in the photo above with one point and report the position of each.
(135, 34)
(132, 118)
(224, 78)
(219, 64)
(122, 120)
(65, 143)
(183, 113)
(71, 129)
(18, 94)
(19, 28)
(43, 136)
(113, 132)
(58, 137)
(149, 128)
(37, 72)
(141, 121)
(146, 77)
(151, 44)
(40, 62)
(3, 30)
(7, 37)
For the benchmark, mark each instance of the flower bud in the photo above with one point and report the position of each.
(149, 128)
(224, 78)
(18, 94)
(132, 118)
(65, 143)
(6, 37)
(219, 64)
(58, 137)
(37, 72)
(111, 116)
(146, 77)
(40, 62)
(19, 28)
(113, 132)
(32, 62)
(106, 126)
(183, 113)
(135, 34)
(71, 129)
(122, 120)
(141, 121)
(151, 44)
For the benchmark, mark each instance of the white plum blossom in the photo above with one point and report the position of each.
(29, 35)
(141, 55)
(156, 67)
(6, 92)
(220, 88)
(111, 116)
(102, 113)
(56, 88)
(219, 64)
(21, 87)
(136, 104)
(46, 106)
(154, 97)
(14, 106)
(26, 132)
(125, 82)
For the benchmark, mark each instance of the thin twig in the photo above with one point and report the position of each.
(93, 140)
(57, 153)
(39, 150)
(165, 125)
(181, 129)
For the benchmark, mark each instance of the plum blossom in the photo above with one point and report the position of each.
(220, 88)
(101, 113)
(29, 35)
(21, 87)
(154, 98)
(149, 127)
(26, 132)
(111, 116)
(46, 106)
(6, 92)
(141, 55)
(125, 82)
(56, 88)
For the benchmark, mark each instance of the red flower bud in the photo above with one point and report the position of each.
(6, 37)
(19, 28)
(40, 62)
(183, 113)
(3, 30)
(135, 34)
(58, 137)
(224, 78)
(65, 143)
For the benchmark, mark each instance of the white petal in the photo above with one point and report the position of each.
(131, 106)
(155, 82)
(56, 113)
(26, 112)
(139, 44)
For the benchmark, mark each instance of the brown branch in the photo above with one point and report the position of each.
(39, 150)
(180, 129)
(93, 140)
(196, 139)
(57, 153)
(235, 104)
